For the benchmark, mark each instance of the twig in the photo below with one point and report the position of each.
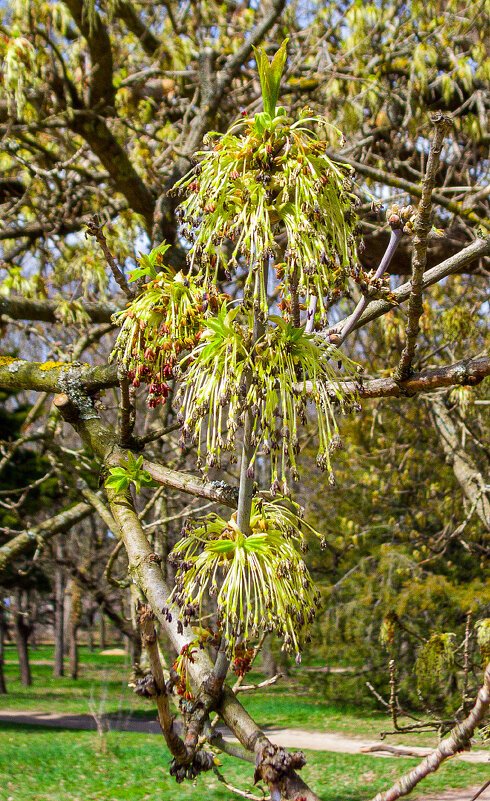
(481, 790)
(422, 226)
(110, 564)
(155, 434)
(176, 745)
(127, 414)
(242, 793)
(457, 740)
(335, 336)
(266, 683)
(94, 228)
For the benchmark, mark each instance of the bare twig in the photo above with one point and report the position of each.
(350, 323)
(94, 228)
(110, 564)
(457, 740)
(159, 690)
(422, 226)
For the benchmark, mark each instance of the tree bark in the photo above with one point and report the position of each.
(469, 477)
(3, 685)
(22, 630)
(59, 615)
(102, 630)
(75, 614)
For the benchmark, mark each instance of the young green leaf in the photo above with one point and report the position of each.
(270, 77)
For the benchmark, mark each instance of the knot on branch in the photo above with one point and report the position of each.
(145, 686)
(153, 559)
(201, 761)
(274, 763)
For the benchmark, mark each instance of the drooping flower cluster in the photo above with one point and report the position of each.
(275, 378)
(162, 324)
(260, 581)
(258, 180)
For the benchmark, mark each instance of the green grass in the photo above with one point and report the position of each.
(38, 764)
(293, 702)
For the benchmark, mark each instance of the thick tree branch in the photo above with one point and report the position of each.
(129, 15)
(422, 226)
(469, 477)
(101, 89)
(146, 625)
(39, 535)
(116, 161)
(457, 740)
(19, 308)
(468, 372)
(55, 377)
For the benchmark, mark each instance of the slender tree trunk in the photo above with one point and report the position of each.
(59, 617)
(269, 665)
(75, 614)
(66, 617)
(22, 630)
(3, 686)
(102, 630)
(90, 629)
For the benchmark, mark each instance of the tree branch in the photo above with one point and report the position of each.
(19, 308)
(422, 226)
(468, 372)
(469, 477)
(480, 247)
(40, 534)
(412, 189)
(128, 14)
(100, 49)
(457, 740)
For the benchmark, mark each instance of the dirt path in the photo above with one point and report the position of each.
(457, 794)
(289, 738)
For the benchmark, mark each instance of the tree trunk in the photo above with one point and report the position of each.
(3, 686)
(90, 628)
(269, 665)
(22, 630)
(75, 615)
(59, 617)
(102, 630)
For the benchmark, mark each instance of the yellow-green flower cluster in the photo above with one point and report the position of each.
(260, 581)
(258, 180)
(163, 323)
(229, 375)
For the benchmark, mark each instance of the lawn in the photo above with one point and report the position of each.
(38, 764)
(102, 684)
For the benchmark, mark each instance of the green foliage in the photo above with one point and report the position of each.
(483, 639)
(129, 472)
(216, 387)
(270, 76)
(434, 662)
(253, 184)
